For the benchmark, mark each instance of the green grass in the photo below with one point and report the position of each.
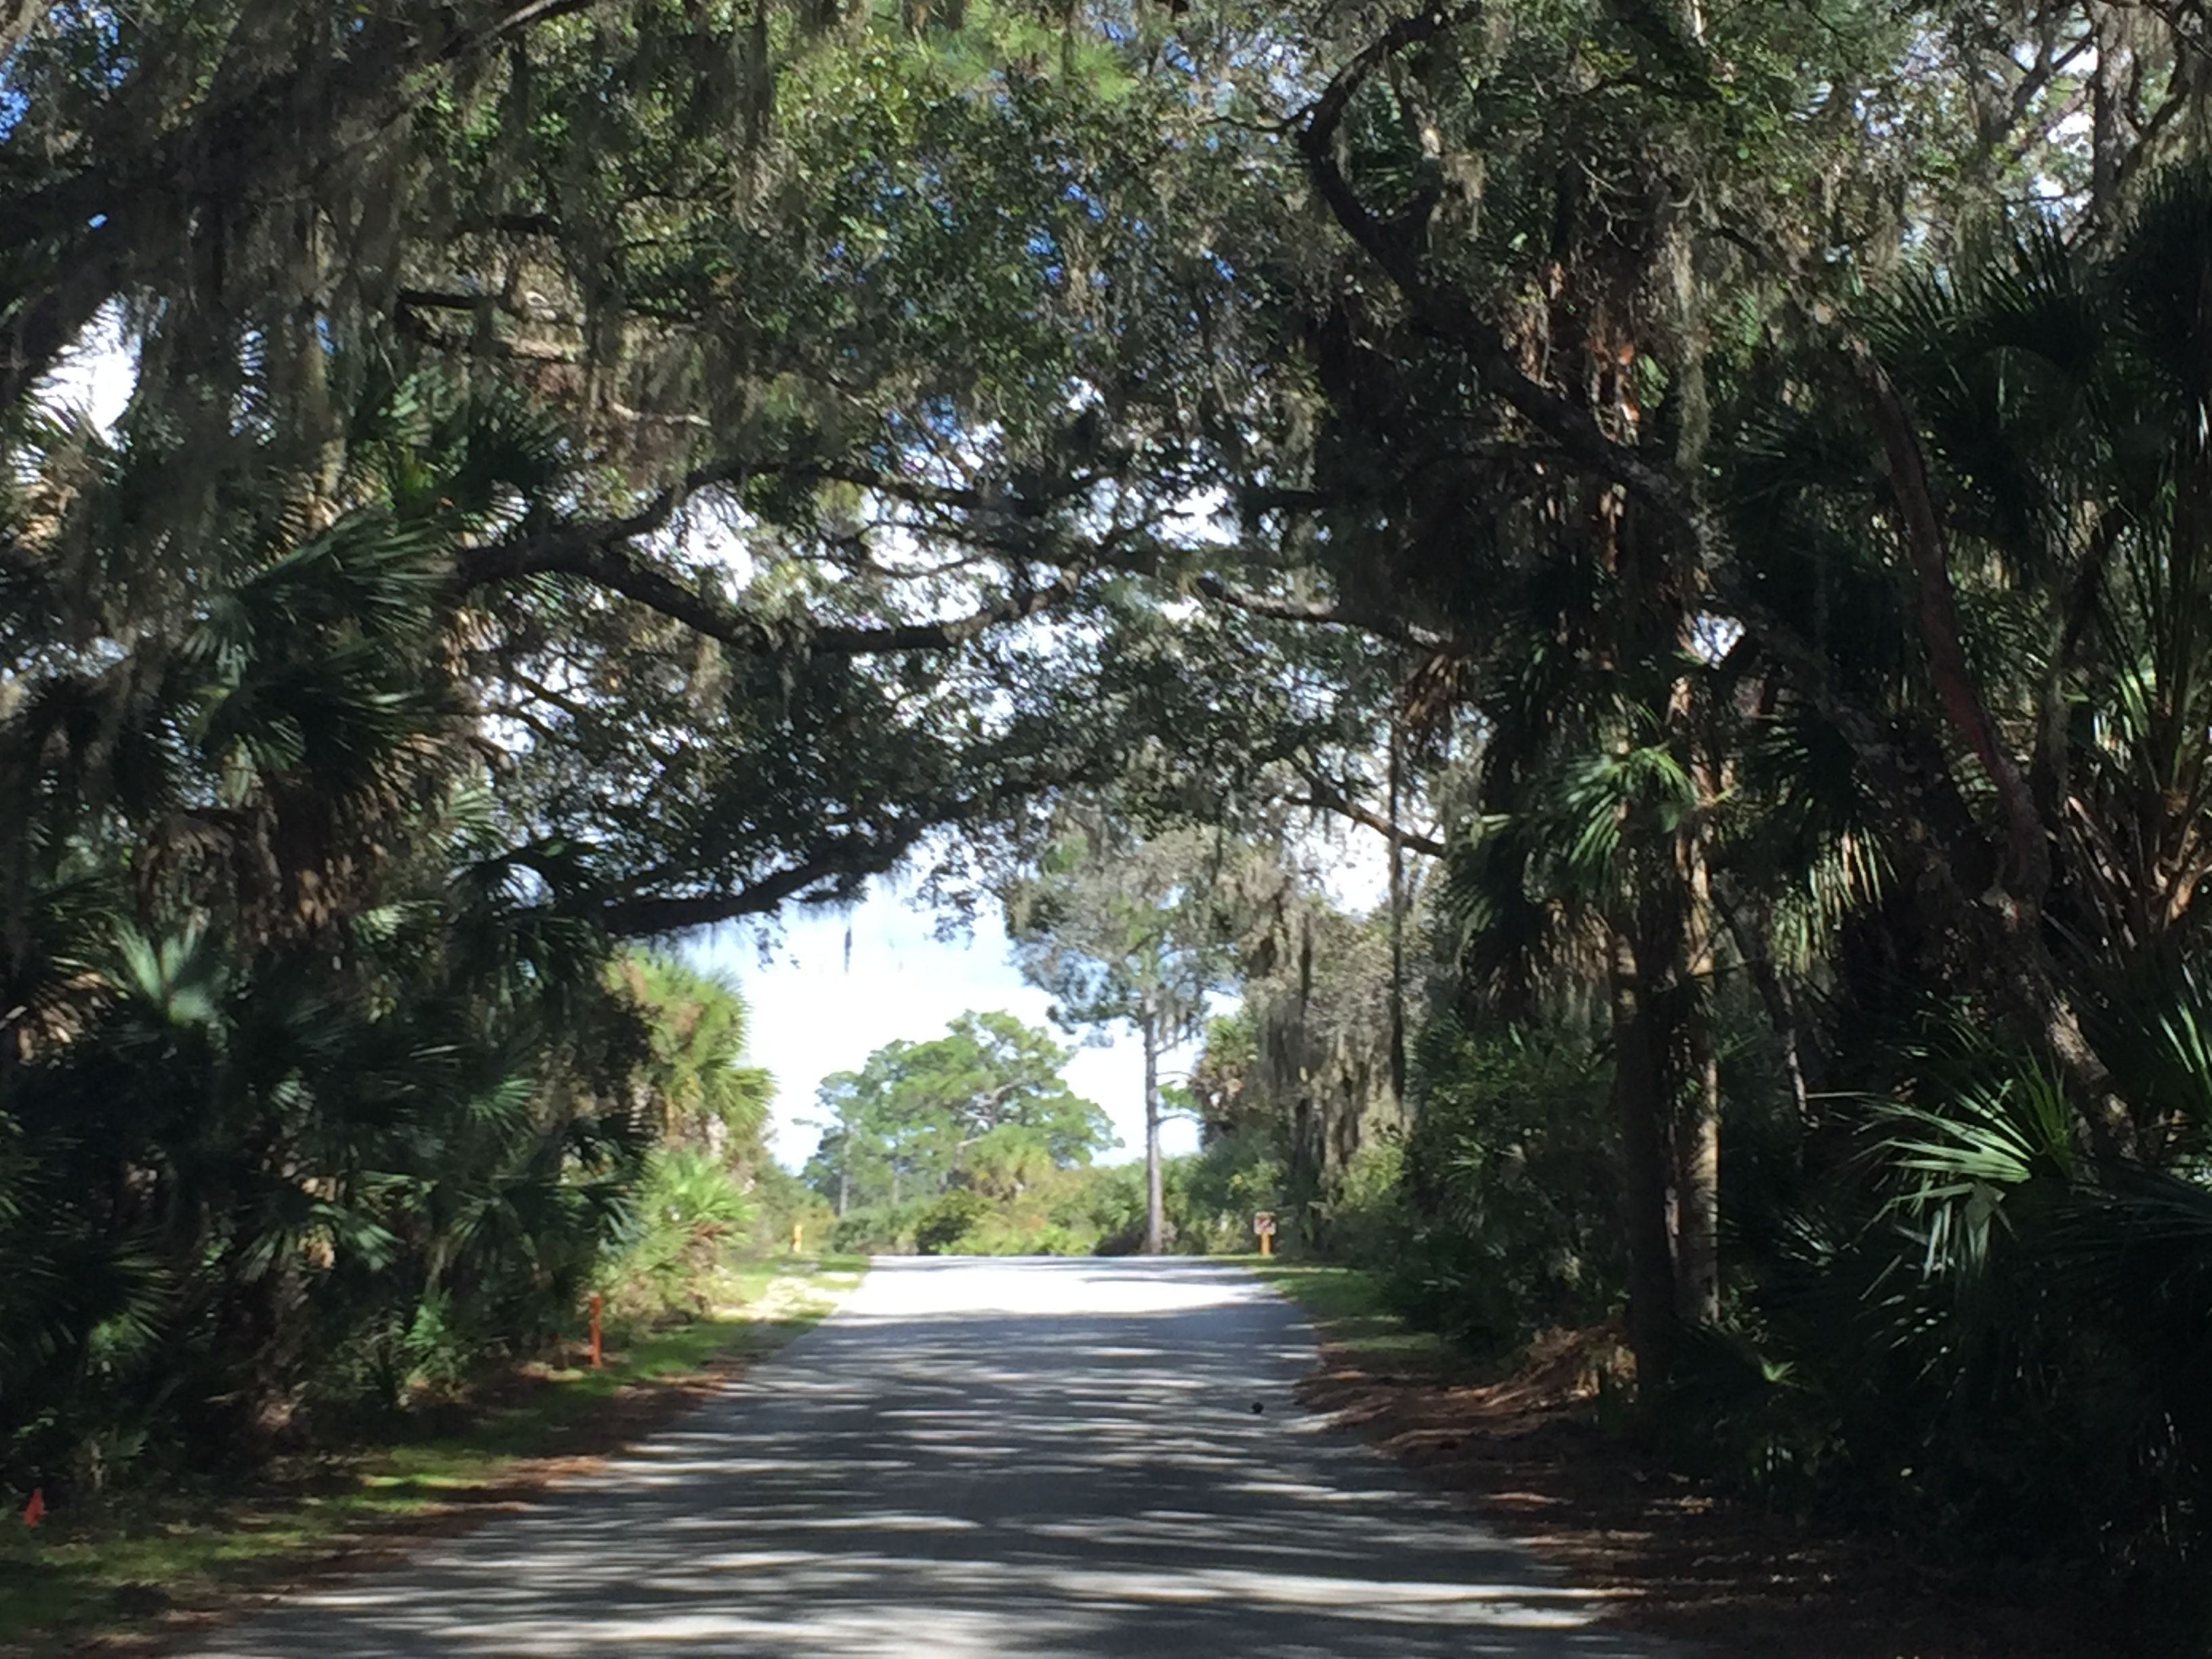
(1348, 1308)
(82, 1575)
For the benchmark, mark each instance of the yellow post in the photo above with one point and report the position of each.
(1267, 1243)
(794, 1237)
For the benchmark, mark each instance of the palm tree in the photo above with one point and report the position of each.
(700, 1093)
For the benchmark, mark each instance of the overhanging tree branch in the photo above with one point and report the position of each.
(602, 555)
(98, 230)
(834, 867)
(1325, 797)
(1396, 245)
(17, 19)
(1380, 623)
(841, 868)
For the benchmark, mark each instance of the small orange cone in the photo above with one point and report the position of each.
(35, 1511)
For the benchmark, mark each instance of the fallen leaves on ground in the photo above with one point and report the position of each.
(1675, 1558)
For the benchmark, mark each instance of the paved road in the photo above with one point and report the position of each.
(982, 1458)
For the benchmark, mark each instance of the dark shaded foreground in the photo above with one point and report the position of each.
(1690, 1559)
(983, 1458)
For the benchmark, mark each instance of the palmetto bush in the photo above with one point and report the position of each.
(686, 1217)
(1510, 1187)
(1982, 1326)
(1984, 1299)
(235, 1191)
(307, 1093)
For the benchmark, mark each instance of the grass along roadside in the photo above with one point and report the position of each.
(150, 1566)
(1355, 1323)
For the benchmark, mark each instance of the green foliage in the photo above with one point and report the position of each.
(1510, 1187)
(781, 1200)
(377, 1196)
(1368, 1220)
(876, 1229)
(1231, 1179)
(952, 1217)
(1112, 1207)
(1972, 1329)
(1138, 932)
(687, 1215)
(310, 1104)
(1134, 934)
(984, 1106)
(696, 1025)
(595, 471)
(302, 1100)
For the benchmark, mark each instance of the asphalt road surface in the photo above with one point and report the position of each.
(982, 1458)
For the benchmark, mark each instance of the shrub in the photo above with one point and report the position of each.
(687, 1213)
(1512, 1186)
(1368, 1220)
(1232, 1176)
(781, 1200)
(952, 1217)
(876, 1229)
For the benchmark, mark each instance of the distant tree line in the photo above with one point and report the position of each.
(983, 1107)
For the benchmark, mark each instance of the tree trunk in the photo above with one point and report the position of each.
(1652, 1320)
(1698, 1139)
(845, 1175)
(1749, 933)
(2109, 140)
(1397, 921)
(1155, 1204)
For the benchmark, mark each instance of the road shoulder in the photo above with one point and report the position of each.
(1679, 1559)
(145, 1577)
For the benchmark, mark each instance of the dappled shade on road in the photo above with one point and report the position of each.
(983, 1458)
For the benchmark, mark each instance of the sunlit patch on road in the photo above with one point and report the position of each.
(1003, 1458)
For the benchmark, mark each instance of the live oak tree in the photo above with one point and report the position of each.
(1730, 478)
(559, 499)
(976, 1108)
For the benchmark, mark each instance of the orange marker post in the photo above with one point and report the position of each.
(794, 1237)
(1263, 1227)
(596, 1358)
(35, 1511)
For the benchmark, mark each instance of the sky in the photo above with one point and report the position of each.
(97, 374)
(819, 1007)
(815, 1011)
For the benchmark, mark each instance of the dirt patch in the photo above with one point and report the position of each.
(1675, 1558)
